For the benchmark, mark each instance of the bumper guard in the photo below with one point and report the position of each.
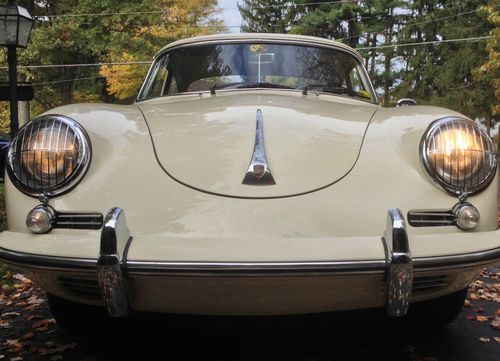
(115, 239)
(399, 269)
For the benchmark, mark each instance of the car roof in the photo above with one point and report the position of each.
(259, 37)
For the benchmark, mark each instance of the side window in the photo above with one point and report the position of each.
(155, 84)
(171, 87)
(158, 86)
(159, 82)
(355, 80)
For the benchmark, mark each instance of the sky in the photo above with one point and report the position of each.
(230, 14)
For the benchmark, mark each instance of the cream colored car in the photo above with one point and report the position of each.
(256, 174)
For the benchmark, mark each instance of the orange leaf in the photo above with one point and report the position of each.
(28, 336)
(473, 296)
(481, 318)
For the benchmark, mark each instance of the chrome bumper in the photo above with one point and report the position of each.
(398, 264)
(114, 270)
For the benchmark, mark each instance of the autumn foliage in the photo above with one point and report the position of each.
(173, 20)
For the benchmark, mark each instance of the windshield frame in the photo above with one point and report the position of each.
(160, 56)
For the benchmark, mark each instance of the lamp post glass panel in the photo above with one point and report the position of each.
(15, 30)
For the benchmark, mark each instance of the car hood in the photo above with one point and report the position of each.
(208, 142)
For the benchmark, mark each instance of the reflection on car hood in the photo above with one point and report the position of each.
(207, 142)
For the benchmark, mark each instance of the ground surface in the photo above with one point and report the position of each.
(28, 332)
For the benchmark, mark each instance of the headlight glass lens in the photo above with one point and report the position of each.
(48, 155)
(459, 155)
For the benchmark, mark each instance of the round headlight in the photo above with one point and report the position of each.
(459, 155)
(48, 155)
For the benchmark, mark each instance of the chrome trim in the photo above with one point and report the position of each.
(255, 268)
(399, 265)
(57, 263)
(109, 268)
(49, 211)
(440, 179)
(431, 218)
(258, 172)
(457, 260)
(458, 209)
(73, 179)
(68, 220)
(429, 283)
(83, 287)
(36, 261)
(71, 220)
(404, 102)
(436, 218)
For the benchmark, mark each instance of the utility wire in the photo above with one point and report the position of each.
(418, 23)
(80, 65)
(66, 80)
(167, 11)
(382, 16)
(437, 42)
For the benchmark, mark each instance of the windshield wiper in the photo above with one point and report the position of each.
(350, 92)
(242, 85)
(334, 90)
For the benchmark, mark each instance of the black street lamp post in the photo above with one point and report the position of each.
(15, 30)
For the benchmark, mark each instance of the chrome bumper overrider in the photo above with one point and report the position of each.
(115, 238)
(114, 269)
(399, 274)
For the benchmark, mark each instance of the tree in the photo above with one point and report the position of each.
(185, 18)
(442, 74)
(381, 24)
(338, 21)
(368, 23)
(95, 31)
(489, 72)
(267, 16)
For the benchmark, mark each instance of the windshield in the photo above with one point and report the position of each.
(252, 65)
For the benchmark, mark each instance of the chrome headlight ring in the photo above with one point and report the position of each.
(459, 155)
(49, 156)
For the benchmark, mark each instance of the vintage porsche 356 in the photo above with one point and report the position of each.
(259, 175)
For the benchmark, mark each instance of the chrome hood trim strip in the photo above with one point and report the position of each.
(259, 173)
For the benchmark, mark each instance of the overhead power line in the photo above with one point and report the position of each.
(417, 23)
(80, 65)
(437, 42)
(66, 80)
(289, 5)
(208, 26)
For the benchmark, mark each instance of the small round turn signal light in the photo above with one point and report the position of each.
(467, 216)
(39, 220)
